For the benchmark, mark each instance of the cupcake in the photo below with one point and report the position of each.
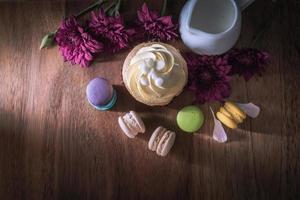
(154, 73)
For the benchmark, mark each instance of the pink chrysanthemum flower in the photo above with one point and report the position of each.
(247, 62)
(208, 77)
(76, 45)
(111, 30)
(153, 26)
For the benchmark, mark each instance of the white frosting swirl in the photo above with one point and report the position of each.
(155, 75)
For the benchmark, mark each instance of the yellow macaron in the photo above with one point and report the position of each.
(225, 112)
(229, 122)
(234, 110)
(231, 115)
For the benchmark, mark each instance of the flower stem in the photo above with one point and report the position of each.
(90, 8)
(49, 39)
(117, 8)
(109, 8)
(163, 9)
(113, 10)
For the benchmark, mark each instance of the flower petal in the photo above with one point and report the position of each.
(76, 45)
(219, 133)
(250, 109)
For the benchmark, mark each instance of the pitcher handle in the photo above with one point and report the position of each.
(244, 3)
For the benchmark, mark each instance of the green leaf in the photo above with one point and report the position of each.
(48, 40)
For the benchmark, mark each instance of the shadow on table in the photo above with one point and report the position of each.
(108, 57)
(183, 148)
(125, 102)
(266, 123)
(194, 148)
(184, 99)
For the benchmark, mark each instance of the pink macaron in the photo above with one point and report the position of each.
(161, 141)
(131, 124)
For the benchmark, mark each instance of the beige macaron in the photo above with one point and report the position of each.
(161, 141)
(131, 124)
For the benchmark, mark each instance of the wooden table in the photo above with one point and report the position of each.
(53, 145)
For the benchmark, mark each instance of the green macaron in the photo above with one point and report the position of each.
(190, 119)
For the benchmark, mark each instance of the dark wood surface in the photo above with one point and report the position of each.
(53, 145)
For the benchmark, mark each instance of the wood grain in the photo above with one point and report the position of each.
(53, 145)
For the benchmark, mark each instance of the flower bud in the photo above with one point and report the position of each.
(48, 40)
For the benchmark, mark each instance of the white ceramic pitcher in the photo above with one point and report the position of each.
(211, 26)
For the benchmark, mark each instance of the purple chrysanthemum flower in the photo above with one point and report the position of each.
(76, 45)
(208, 77)
(247, 62)
(154, 26)
(111, 30)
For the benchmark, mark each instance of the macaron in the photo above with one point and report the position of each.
(225, 112)
(131, 124)
(101, 94)
(235, 111)
(231, 115)
(161, 141)
(190, 119)
(229, 122)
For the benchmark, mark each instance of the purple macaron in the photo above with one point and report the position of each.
(99, 92)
